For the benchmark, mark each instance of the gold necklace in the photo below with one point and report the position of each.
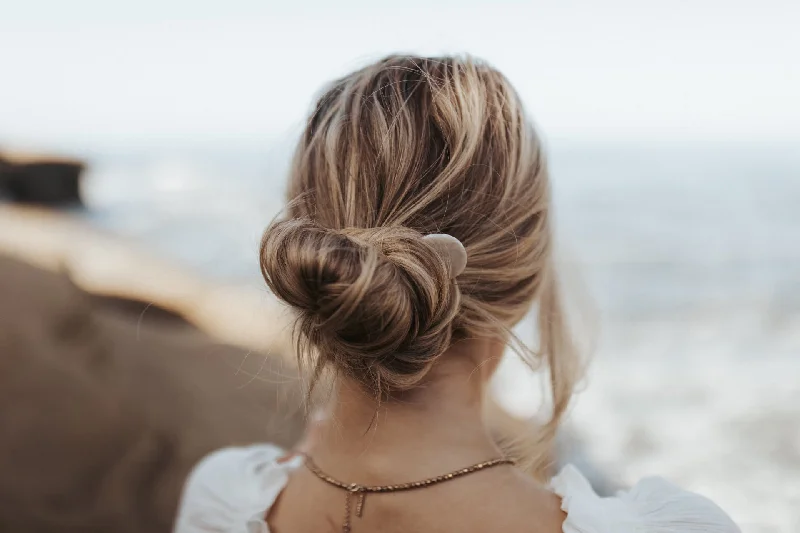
(361, 491)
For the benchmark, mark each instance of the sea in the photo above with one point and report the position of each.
(682, 268)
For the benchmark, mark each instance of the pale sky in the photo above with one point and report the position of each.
(89, 73)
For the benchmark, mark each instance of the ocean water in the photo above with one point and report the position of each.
(686, 261)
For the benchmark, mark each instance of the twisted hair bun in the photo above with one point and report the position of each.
(377, 303)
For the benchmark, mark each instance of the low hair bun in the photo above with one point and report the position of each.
(378, 303)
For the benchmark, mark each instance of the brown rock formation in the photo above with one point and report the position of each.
(105, 409)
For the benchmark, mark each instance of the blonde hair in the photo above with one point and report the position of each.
(406, 147)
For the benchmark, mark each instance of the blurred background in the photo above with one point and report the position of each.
(673, 130)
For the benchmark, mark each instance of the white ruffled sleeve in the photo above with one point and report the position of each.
(232, 489)
(653, 505)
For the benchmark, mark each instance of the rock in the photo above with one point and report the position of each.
(40, 180)
(106, 407)
(105, 264)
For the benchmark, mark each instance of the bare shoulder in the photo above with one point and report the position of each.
(521, 504)
(541, 508)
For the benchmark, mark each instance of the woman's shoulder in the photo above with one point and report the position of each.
(232, 489)
(652, 505)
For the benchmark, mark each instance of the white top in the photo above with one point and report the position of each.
(231, 491)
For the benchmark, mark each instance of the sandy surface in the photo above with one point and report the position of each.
(107, 264)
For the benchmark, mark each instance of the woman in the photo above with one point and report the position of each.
(418, 234)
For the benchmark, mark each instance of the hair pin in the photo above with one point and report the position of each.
(451, 249)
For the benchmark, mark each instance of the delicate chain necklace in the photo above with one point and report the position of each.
(354, 489)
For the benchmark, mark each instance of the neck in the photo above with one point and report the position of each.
(439, 426)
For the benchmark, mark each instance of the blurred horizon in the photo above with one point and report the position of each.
(244, 73)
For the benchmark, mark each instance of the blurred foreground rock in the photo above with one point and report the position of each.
(105, 409)
(40, 179)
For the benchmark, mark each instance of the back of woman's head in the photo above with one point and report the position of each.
(407, 147)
